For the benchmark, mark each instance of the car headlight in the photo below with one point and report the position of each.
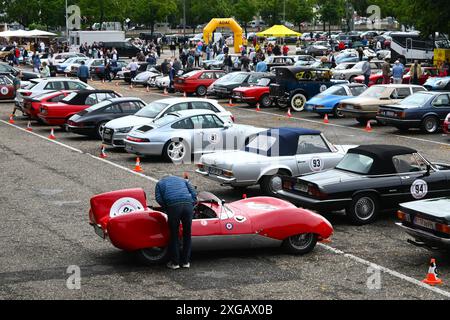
(124, 130)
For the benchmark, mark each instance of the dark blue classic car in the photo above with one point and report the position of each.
(296, 85)
(422, 110)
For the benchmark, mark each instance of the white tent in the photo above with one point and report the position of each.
(40, 33)
(26, 34)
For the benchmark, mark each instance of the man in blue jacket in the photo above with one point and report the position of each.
(177, 198)
(83, 72)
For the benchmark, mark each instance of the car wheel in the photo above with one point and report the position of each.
(201, 91)
(430, 124)
(177, 151)
(152, 256)
(364, 209)
(298, 101)
(99, 129)
(352, 79)
(265, 101)
(300, 243)
(271, 184)
(337, 114)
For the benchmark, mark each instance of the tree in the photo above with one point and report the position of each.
(331, 11)
(299, 11)
(270, 10)
(244, 10)
(152, 11)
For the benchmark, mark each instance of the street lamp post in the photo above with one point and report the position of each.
(67, 26)
(184, 18)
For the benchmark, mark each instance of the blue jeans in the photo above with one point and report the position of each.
(366, 79)
(180, 213)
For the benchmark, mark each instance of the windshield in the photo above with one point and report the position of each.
(261, 144)
(356, 163)
(238, 77)
(373, 92)
(31, 85)
(99, 105)
(69, 97)
(151, 110)
(417, 99)
(264, 82)
(190, 74)
(225, 78)
(335, 91)
(253, 79)
(165, 120)
(342, 66)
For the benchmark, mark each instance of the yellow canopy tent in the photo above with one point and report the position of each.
(278, 31)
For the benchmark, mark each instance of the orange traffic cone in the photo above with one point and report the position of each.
(103, 153)
(165, 92)
(11, 118)
(258, 108)
(29, 126)
(325, 119)
(432, 277)
(138, 167)
(289, 114)
(147, 88)
(184, 94)
(230, 103)
(52, 134)
(368, 127)
(117, 84)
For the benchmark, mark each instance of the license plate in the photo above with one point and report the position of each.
(424, 223)
(99, 231)
(215, 171)
(301, 187)
(349, 107)
(389, 113)
(180, 81)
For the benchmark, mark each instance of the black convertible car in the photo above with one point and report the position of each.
(223, 88)
(91, 121)
(369, 179)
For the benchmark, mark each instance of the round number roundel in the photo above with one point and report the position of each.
(419, 189)
(323, 88)
(125, 206)
(4, 91)
(316, 164)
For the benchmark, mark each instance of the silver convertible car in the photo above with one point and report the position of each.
(178, 135)
(271, 154)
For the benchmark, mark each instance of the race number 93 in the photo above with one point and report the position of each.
(316, 164)
(419, 189)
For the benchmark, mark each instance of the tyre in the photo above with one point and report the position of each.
(201, 91)
(177, 151)
(337, 114)
(152, 256)
(99, 129)
(300, 243)
(265, 101)
(297, 102)
(430, 124)
(364, 209)
(270, 184)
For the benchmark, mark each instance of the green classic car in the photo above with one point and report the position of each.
(428, 221)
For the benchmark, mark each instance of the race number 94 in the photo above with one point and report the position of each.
(419, 189)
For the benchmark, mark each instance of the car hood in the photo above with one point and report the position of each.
(228, 84)
(251, 88)
(433, 81)
(330, 177)
(226, 160)
(400, 106)
(321, 99)
(362, 101)
(433, 207)
(128, 121)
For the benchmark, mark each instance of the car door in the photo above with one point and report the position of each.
(113, 111)
(314, 155)
(441, 106)
(207, 133)
(416, 182)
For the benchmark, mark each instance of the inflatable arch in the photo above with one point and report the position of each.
(229, 23)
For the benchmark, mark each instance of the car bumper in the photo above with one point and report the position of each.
(85, 131)
(359, 114)
(117, 139)
(428, 238)
(318, 109)
(224, 180)
(399, 122)
(241, 98)
(52, 121)
(314, 204)
(144, 149)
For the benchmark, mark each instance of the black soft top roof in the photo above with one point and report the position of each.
(382, 156)
(80, 97)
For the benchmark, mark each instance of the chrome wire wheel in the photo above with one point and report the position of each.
(301, 241)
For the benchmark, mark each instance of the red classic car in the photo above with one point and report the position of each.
(377, 78)
(123, 217)
(32, 105)
(255, 94)
(7, 90)
(446, 125)
(197, 81)
(58, 113)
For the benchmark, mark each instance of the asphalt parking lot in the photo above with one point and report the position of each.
(45, 191)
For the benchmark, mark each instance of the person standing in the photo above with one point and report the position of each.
(397, 72)
(228, 63)
(83, 72)
(285, 50)
(45, 70)
(36, 62)
(133, 67)
(386, 69)
(172, 48)
(416, 72)
(367, 71)
(177, 198)
(360, 53)
(107, 69)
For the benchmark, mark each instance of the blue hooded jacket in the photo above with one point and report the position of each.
(171, 191)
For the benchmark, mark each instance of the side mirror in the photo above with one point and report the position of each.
(223, 202)
(227, 125)
(427, 174)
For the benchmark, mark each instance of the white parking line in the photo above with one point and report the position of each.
(326, 247)
(386, 270)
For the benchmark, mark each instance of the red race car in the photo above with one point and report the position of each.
(123, 217)
(32, 105)
(7, 90)
(197, 81)
(58, 113)
(255, 94)
(446, 124)
(377, 78)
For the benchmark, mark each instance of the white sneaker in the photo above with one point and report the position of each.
(186, 265)
(173, 266)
